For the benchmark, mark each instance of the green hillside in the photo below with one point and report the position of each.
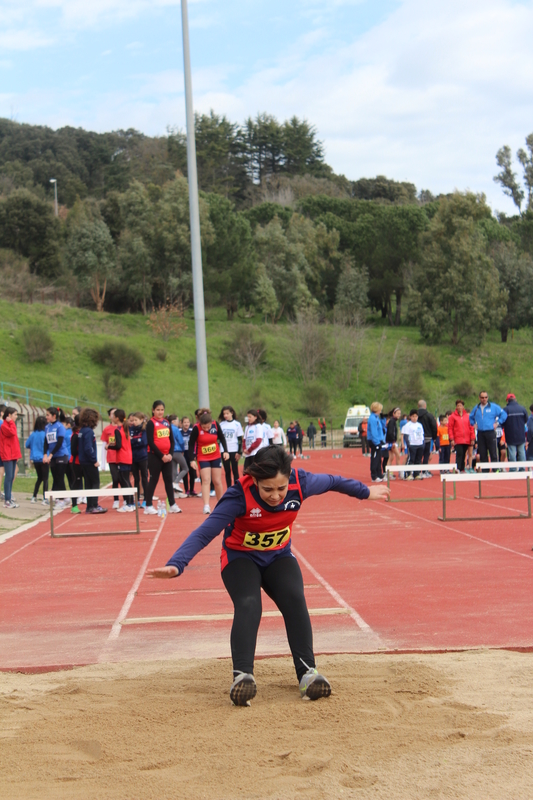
(395, 366)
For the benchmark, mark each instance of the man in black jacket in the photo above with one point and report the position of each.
(515, 429)
(429, 423)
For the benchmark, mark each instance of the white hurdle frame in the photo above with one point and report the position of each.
(492, 476)
(507, 466)
(419, 468)
(91, 493)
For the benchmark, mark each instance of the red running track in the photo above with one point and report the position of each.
(378, 576)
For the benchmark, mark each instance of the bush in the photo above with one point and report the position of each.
(118, 358)
(247, 351)
(430, 360)
(114, 386)
(192, 364)
(464, 389)
(38, 344)
(315, 400)
(161, 355)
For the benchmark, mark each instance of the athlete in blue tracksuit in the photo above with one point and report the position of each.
(376, 435)
(486, 416)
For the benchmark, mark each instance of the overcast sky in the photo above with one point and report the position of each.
(418, 90)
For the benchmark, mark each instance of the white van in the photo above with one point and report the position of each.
(354, 417)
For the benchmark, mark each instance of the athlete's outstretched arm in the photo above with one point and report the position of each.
(232, 504)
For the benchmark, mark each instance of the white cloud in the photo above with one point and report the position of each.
(23, 40)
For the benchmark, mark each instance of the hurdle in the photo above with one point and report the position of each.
(419, 468)
(91, 493)
(493, 476)
(505, 466)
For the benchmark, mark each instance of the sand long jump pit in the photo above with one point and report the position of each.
(452, 725)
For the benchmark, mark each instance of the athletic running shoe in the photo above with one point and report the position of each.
(181, 495)
(82, 501)
(176, 487)
(75, 510)
(59, 504)
(33, 500)
(392, 477)
(116, 504)
(122, 509)
(313, 685)
(410, 478)
(45, 502)
(175, 509)
(212, 493)
(207, 509)
(150, 510)
(377, 480)
(10, 504)
(99, 510)
(243, 689)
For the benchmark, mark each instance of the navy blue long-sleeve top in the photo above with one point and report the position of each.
(233, 504)
(87, 452)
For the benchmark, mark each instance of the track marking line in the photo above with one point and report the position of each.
(130, 597)
(446, 527)
(313, 612)
(359, 621)
(47, 533)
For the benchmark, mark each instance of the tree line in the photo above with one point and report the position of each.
(281, 233)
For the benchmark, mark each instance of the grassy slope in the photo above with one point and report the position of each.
(500, 367)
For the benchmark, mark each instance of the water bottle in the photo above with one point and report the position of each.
(163, 509)
(160, 509)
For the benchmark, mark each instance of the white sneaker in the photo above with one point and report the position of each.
(175, 509)
(82, 501)
(116, 505)
(122, 510)
(150, 510)
(176, 487)
(181, 495)
(207, 509)
(45, 502)
(130, 508)
(59, 504)
(33, 500)
(10, 504)
(212, 493)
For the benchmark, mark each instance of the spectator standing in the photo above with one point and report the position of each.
(9, 452)
(88, 457)
(300, 437)
(363, 428)
(233, 433)
(486, 416)
(376, 438)
(292, 438)
(35, 444)
(429, 424)
(444, 440)
(515, 429)
(413, 431)
(461, 433)
(278, 434)
(311, 433)
(323, 431)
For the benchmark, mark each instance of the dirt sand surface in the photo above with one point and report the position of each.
(396, 726)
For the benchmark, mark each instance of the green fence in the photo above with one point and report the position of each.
(38, 397)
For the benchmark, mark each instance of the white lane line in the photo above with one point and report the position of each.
(47, 533)
(444, 526)
(313, 612)
(123, 613)
(359, 621)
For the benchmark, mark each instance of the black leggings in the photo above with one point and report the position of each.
(293, 446)
(231, 465)
(75, 480)
(113, 469)
(125, 483)
(58, 469)
(91, 476)
(42, 477)
(156, 467)
(283, 583)
(140, 473)
(190, 477)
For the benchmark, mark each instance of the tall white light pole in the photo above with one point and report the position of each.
(54, 181)
(194, 210)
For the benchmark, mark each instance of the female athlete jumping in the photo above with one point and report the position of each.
(257, 515)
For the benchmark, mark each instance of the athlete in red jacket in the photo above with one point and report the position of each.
(461, 433)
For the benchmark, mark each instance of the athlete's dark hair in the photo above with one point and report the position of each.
(69, 421)
(204, 418)
(255, 413)
(7, 411)
(77, 421)
(531, 408)
(56, 412)
(139, 415)
(268, 463)
(39, 424)
(226, 408)
(109, 410)
(413, 411)
(157, 403)
(459, 401)
(171, 418)
(120, 414)
(262, 414)
(89, 418)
